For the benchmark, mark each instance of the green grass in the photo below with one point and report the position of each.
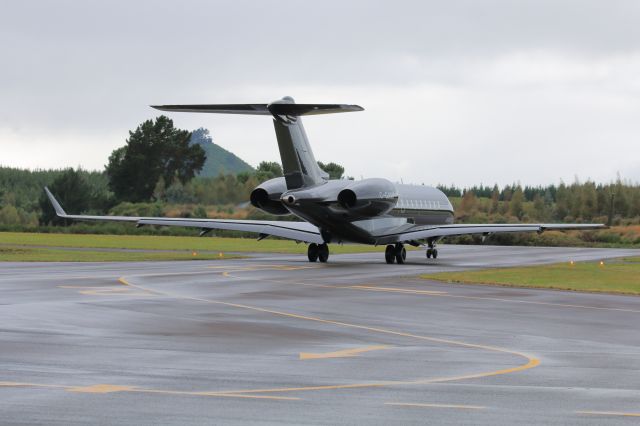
(153, 242)
(21, 254)
(614, 276)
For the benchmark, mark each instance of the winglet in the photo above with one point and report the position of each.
(56, 205)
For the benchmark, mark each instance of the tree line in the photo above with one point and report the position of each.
(156, 173)
(612, 203)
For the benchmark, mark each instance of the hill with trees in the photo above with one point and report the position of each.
(218, 160)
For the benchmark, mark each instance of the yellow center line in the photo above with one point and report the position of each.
(343, 353)
(531, 360)
(23, 384)
(395, 290)
(100, 388)
(423, 405)
(105, 290)
(608, 413)
(106, 388)
(213, 393)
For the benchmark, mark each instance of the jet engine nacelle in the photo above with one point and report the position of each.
(266, 196)
(369, 197)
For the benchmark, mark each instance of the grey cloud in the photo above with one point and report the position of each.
(92, 67)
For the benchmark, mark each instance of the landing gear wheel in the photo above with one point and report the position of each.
(429, 253)
(401, 253)
(390, 254)
(312, 252)
(323, 252)
(435, 253)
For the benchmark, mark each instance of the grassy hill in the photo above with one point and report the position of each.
(219, 160)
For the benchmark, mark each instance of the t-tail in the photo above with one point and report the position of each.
(300, 167)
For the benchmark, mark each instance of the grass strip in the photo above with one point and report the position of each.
(153, 242)
(21, 254)
(612, 276)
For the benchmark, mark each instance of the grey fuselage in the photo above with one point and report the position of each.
(400, 205)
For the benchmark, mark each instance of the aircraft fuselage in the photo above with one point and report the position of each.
(393, 206)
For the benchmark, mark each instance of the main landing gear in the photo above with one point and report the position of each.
(395, 253)
(318, 252)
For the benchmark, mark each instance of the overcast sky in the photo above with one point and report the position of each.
(460, 92)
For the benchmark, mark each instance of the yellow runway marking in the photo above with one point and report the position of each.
(343, 353)
(214, 393)
(25, 385)
(396, 290)
(608, 413)
(102, 388)
(531, 361)
(254, 268)
(105, 291)
(417, 404)
(262, 268)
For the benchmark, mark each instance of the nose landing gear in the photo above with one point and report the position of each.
(432, 251)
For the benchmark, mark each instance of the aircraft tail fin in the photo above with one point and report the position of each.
(300, 167)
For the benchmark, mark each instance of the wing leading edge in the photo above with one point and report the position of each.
(299, 231)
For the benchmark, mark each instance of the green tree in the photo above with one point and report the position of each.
(9, 215)
(515, 205)
(539, 208)
(563, 201)
(589, 204)
(336, 171)
(268, 170)
(495, 200)
(72, 191)
(468, 202)
(156, 149)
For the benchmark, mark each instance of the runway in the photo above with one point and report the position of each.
(275, 339)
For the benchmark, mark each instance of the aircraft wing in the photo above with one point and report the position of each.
(436, 232)
(299, 231)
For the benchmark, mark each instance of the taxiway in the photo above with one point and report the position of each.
(275, 339)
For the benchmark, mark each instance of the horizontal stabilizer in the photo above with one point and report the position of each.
(289, 109)
(251, 109)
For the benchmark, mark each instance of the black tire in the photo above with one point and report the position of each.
(312, 252)
(323, 253)
(390, 254)
(401, 254)
(435, 253)
(429, 252)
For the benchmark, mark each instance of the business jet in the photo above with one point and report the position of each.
(369, 211)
